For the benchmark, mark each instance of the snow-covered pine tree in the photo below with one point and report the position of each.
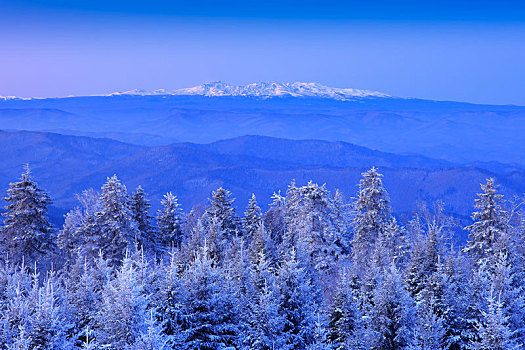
(299, 302)
(316, 234)
(461, 312)
(493, 329)
(209, 320)
(118, 230)
(503, 287)
(89, 342)
(274, 221)
(340, 217)
(252, 221)
(292, 212)
(344, 318)
(391, 246)
(169, 222)
(79, 235)
(259, 245)
(15, 309)
(69, 238)
(320, 335)
(393, 313)
(123, 313)
(264, 320)
(47, 322)
(26, 233)
(169, 299)
(490, 224)
(371, 218)
(140, 207)
(153, 338)
(315, 229)
(415, 275)
(429, 330)
(222, 212)
(83, 297)
(424, 261)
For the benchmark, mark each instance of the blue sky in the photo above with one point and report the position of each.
(449, 50)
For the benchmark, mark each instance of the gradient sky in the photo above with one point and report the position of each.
(447, 50)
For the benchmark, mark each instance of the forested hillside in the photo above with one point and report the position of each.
(66, 165)
(452, 131)
(314, 271)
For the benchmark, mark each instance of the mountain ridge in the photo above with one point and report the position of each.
(262, 90)
(65, 165)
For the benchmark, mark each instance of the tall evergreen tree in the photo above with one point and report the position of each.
(117, 231)
(79, 235)
(299, 302)
(123, 313)
(461, 296)
(169, 221)
(371, 218)
(69, 238)
(26, 232)
(252, 221)
(392, 317)
(222, 212)
(490, 224)
(274, 219)
(494, 331)
(345, 326)
(48, 328)
(140, 207)
(209, 320)
(265, 321)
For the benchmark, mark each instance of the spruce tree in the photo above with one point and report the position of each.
(153, 337)
(169, 221)
(123, 312)
(69, 238)
(372, 216)
(209, 320)
(83, 297)
(252, 221)
(80, 233)
(461, 313)
(265, 321)
(274, 219)
(392, 317)
(48, 327)
(344, 317)
(221, 211)
(494, 331)
(117, 230)
(140, 207)
(26, 232)
(299, 302)
(490, 224)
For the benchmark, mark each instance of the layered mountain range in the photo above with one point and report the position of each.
(191, 141)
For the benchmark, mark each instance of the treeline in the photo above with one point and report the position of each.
(312, 272)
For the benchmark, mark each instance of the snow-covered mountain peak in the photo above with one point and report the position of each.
(140, 92)
(263, 90)
(272, 89)
(7, 98)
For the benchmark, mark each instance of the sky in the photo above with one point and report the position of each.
(443, 50)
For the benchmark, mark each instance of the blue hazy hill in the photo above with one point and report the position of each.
(65, 165)
(451, 131)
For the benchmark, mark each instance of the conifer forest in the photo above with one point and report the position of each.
(314, 271)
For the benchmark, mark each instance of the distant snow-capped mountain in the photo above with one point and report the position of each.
(7, 98)
(264, 90)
